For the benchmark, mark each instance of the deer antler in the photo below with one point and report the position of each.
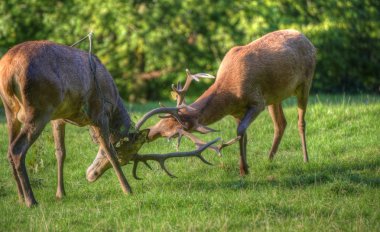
(198, 142)
(229, 143)
(162, 158)
(181, 92)
(168, 110)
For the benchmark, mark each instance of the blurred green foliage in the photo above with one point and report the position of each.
(146, 45)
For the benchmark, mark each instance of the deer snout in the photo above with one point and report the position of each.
(97, 168)
(91, 175)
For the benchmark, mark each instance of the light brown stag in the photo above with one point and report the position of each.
(41, 81)
(263, 73)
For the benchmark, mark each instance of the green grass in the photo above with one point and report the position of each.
(338, 190)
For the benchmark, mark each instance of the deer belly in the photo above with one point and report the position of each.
(77, 114)
(277, 95)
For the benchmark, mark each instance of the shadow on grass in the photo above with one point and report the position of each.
(336, 171)
(341, 178)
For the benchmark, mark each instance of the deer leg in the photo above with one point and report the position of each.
(243, 155)
(279, 124)
(244, 123)
(302, 98)
(14, 127)
(103, 138)
(58, 127)
(19, 147)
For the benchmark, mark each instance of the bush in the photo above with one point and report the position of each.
(146, 45)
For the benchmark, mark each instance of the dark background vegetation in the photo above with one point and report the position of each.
(146, 45)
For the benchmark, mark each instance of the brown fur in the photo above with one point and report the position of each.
(263, 73)
(41, 81)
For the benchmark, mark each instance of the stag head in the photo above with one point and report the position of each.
(186, 121)
(171, 126)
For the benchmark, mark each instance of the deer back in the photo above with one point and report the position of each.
(271, 67)
(41, 76)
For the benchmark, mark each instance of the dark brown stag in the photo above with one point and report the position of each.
(41, 81)
(263, 73)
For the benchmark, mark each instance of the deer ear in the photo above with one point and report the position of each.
(204, 129)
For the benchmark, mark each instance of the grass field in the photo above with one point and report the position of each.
(338, 190)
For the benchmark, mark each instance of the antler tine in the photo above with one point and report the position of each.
(170, 110)
(179, 86)
(179, 139)
(189, 79)
(229, 143)
(181, 92)
(162, 158)
(179, 99)
(134, 170)
(198, 142)
(170, 115)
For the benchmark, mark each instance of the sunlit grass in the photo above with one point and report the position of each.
(338, 189)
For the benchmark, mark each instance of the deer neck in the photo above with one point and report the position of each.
(120, 123)
(211, 106)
